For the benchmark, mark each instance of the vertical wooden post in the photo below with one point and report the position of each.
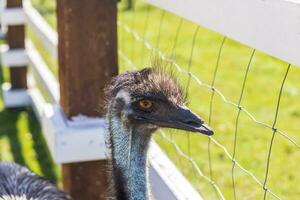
(16, 40)
(87, 48)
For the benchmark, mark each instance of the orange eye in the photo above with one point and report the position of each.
(145, 104)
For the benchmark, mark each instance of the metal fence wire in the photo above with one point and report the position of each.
(142, 35)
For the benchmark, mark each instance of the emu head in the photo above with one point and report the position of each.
(149, 99)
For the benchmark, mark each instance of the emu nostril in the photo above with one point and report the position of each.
(192, 123)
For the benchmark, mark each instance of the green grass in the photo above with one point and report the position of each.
(260, 98)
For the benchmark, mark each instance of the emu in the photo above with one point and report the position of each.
(18, 183)
(137, 103)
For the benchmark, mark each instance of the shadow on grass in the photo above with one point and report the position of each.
(40, 146)
(8, 128)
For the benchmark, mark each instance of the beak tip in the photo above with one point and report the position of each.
(205, 129)
(207, 132)
(211, 132)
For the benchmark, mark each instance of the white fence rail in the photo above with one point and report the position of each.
(272, 26)
(42, 71)
(46, 35)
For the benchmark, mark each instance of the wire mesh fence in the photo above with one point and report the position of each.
(249, 98)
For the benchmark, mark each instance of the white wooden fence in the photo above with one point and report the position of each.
(271, 26)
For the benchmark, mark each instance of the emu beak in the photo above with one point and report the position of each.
(184, 119)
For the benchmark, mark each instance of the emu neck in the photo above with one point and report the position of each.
(129, 156)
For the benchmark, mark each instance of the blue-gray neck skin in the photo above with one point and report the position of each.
(129, 147)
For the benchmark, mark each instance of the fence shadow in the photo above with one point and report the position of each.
(8, 128)
(40, 146)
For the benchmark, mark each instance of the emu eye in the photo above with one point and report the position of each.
(145, 104)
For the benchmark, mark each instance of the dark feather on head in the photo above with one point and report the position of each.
(155, 82)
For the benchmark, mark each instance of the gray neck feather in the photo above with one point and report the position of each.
(129, 153)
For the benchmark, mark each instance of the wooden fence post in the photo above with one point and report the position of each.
(87, 54)
(16, 40)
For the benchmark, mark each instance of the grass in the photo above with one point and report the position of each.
(260, 98)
